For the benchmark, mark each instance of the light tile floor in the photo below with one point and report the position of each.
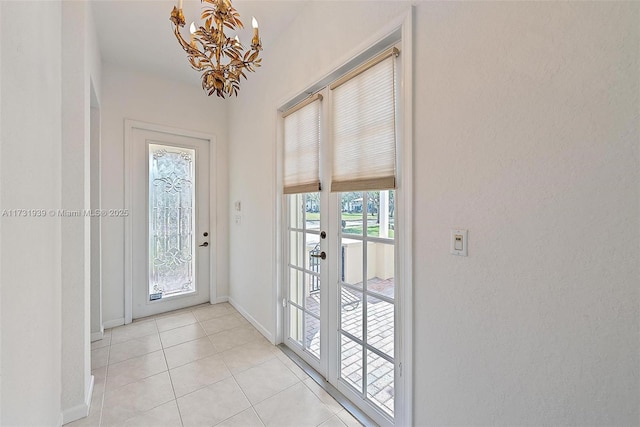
(202, 366)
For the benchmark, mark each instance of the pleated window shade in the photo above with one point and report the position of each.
(302, 147)
(364, 127)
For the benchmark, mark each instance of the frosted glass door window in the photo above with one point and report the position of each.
(171, 221)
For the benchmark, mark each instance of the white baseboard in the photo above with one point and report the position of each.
(268, 335)
(220, 300)
(113, 323)
(82, 410)
(97, 336)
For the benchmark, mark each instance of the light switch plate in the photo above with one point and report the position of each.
(459, 242)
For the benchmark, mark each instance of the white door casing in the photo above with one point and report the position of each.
(138, 137)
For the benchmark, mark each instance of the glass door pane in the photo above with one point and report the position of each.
(367, 308)
(171, 221)
(303, 228)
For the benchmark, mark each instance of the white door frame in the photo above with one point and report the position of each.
(404, 245)
(129, 126)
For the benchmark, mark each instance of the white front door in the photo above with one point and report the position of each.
(169, 222)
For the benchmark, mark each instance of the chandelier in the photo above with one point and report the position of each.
(221, 59)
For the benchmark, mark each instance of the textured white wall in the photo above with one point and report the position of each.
(30, 178)
(526, 133)
(138, 96)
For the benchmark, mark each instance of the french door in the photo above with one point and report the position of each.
(339, 179)
(340, 305)
(169, 222)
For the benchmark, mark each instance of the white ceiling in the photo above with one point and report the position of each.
(138, 34)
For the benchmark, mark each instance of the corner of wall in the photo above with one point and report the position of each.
(93, 57)
(82, 410)
(76, 249)
(0, 221)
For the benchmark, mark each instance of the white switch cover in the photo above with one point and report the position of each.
(238, 206)
(238, 219)
(459, 242)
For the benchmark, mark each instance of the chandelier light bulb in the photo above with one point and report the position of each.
(237, 39)
(255, 41)
(192, 28)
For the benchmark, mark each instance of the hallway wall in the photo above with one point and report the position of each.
(526, 133)
(30, 173)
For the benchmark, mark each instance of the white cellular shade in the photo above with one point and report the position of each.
(363, 126)
(302, 148)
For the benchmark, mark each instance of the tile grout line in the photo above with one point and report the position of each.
(175, 398)
(106, 380)
(235, 380)
(104, 391)
(258, 415)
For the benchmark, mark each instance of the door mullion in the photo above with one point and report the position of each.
(305, 268)
(365, 246)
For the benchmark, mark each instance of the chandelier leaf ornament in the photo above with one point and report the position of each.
(221, 59)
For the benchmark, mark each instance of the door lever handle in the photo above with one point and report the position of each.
(205, 244)
(321, 255)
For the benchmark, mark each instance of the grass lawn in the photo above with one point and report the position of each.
(372, 230)
(314, 216)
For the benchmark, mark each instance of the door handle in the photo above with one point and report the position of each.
(205, 244)
(321, 255)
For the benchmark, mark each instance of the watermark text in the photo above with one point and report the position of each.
(63, 213)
